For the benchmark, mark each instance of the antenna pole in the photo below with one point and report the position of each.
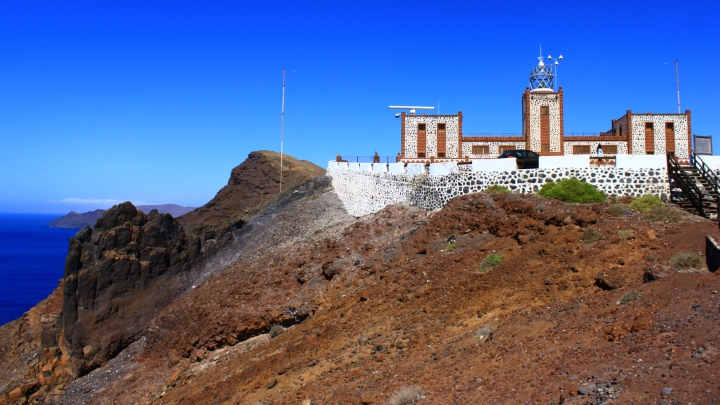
(282, 130)
(677, 83)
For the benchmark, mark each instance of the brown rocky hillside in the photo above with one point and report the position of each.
(494, 299)
(251, 185)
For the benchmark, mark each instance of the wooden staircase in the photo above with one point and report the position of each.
(694, 187)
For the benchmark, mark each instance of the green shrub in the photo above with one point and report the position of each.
(497, 189)
(630, 296)
(663, 214)
(406, 395)
(591, 235)
(646, 202)
(687, 261)
(615, 210)
(572, 191)
(626, 234)
(491, 261)
(276, 331)
(450, 247)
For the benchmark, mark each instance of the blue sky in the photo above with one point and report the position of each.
(156, 102)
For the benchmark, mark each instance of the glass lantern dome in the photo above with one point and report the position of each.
(542, 78)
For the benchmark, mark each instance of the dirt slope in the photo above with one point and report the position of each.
(380, 303)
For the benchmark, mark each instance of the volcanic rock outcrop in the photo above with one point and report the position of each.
(110, 272)
(120, 273)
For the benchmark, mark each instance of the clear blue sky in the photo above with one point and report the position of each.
(155, 102)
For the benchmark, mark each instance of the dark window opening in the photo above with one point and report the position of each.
(441, 127)
(480, 150)
(648, 125)
(421, 127)
(422, 155)
(441, 155)
(581, 149)
(669, 126)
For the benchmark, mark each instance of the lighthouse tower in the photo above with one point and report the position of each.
(542, 112)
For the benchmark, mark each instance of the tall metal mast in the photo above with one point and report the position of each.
(282, 130)
(677, 83)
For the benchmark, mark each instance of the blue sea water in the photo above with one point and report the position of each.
(32, 259)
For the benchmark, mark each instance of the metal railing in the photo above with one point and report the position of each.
(687, 184)
(368, 159)
(492, 134)
(705, 172)
(589, 134)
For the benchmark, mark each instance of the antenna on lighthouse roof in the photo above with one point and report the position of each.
(540, 58)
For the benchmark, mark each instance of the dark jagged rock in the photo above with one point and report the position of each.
(110, 280)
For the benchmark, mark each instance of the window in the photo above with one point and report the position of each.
(440, 154)
(421, 127)
(545, 148)
(503, 148)
(480, 149)
(441, 127)
(544, 110)
(670, 126)
(610, 149)
(648, 126)
(581, 149)
(421, 155)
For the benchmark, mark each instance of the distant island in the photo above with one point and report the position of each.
(75, 220)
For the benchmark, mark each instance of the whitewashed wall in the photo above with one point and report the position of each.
(363, 192)
(557, 162)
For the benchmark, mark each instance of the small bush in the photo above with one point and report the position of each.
(276, 331)
(646, 202)
(406, 395)
(572, 191)
(626, 234)
(591, 235)
(497, 189)
(663, 214)
(450, 247)
(615, 210)
(687, 261)
(630, 296)
(491, 261)
(652, 257)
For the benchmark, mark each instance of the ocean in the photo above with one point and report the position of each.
(32, 259)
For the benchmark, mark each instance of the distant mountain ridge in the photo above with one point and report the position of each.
(75, 220)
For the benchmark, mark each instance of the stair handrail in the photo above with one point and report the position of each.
(705, 172)
(688, 186)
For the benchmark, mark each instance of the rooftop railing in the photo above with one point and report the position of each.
(491, 134)
(368, 159)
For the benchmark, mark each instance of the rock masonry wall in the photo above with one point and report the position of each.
(363, 192)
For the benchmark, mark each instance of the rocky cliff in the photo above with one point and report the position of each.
(119, 274)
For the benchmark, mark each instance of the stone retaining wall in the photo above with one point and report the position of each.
(363, 192)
